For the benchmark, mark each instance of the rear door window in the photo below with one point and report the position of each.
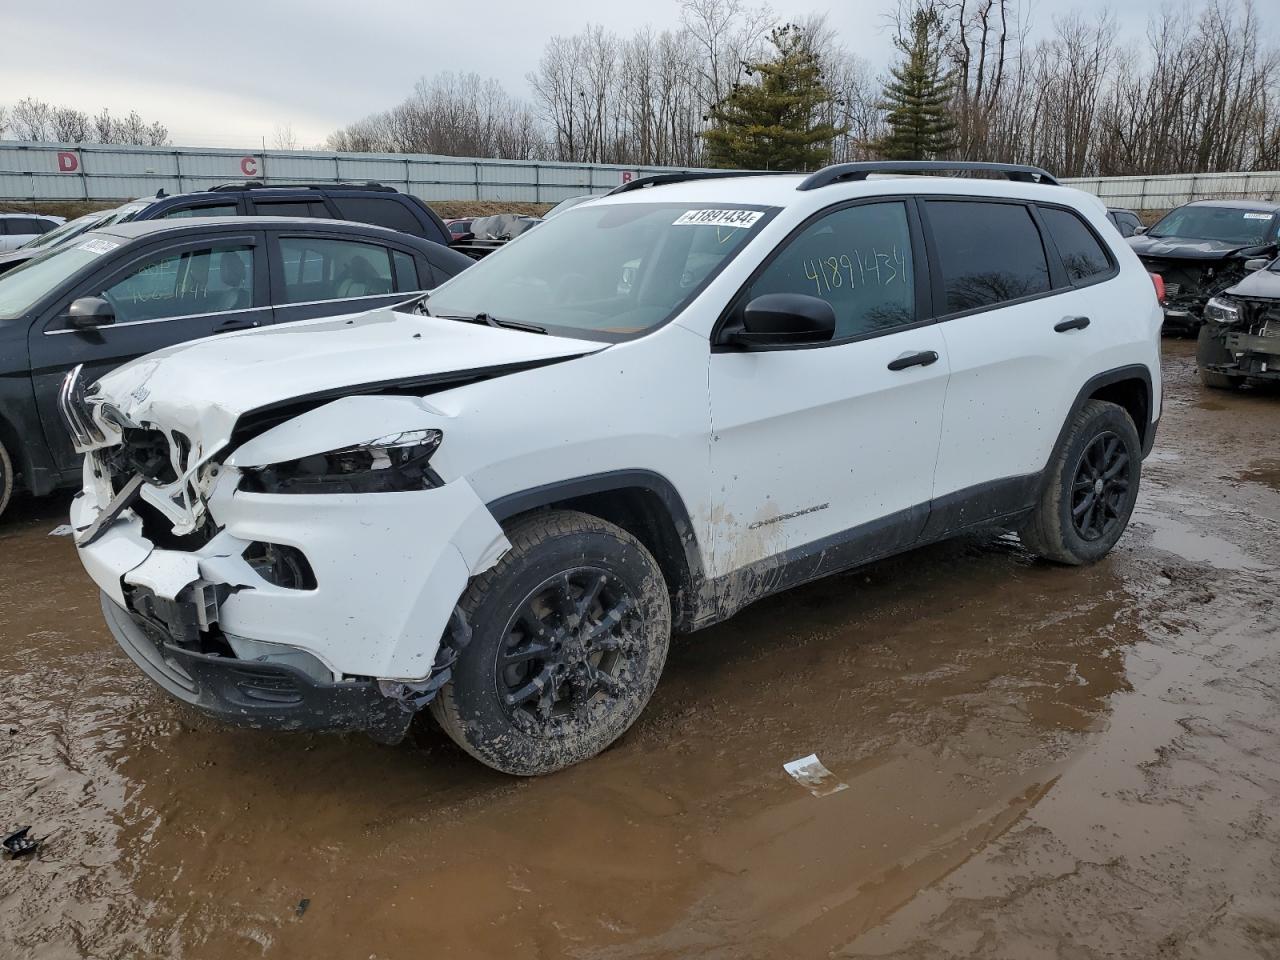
(381, 211)
(208, 210)
(990, 253)
(318, 269)
(1082, 255)
(291, 208)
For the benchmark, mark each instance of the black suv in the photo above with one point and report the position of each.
(125, 290)
(361, 203)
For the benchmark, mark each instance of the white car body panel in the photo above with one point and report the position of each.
(751, 442)
(1014, 379)
(797, 430)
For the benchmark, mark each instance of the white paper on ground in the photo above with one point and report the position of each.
(811, 774)
(62, 531)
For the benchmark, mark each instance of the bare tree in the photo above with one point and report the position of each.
(1201, 93)
(284, 137)
(31, 119)
(104, 127)
(67, 125)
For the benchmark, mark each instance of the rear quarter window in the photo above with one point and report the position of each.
(1083, 256)
(380, 211)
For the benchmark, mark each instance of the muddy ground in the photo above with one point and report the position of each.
(1041, 762)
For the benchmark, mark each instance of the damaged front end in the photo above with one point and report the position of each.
(1189, 284)
(1246, 334)
(290, 582)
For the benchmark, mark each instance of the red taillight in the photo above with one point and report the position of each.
(1157, 281)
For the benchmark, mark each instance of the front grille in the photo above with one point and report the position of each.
(1259, 316)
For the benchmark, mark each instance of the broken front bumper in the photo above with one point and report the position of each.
(1256, 355)
(386, 569)
(271, 696)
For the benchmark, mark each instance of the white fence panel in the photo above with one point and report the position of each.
(52, 171)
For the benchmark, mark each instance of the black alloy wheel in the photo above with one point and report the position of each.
(568, 652)
(1100, 490)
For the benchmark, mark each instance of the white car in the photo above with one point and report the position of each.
(504, 507)
(17, 228)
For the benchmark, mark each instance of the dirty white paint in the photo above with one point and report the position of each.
(769, 451)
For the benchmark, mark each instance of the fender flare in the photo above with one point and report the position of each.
(1132, 371)
(505, 507)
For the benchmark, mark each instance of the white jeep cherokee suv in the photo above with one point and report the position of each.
(636, 419)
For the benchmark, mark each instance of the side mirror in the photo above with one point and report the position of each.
(89, 312)
(1139, 231)
(782, 319)
(1257, 263)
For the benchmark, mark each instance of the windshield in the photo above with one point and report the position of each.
(125, 213)
(1228, 224)
(23, 286)
(564, 205)
(603, 271)
(65, 232)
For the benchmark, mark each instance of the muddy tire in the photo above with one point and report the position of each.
(7, 478)
(570, 631)
(1090, 488)
(1212, 351)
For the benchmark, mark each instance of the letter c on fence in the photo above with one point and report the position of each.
(249, 166)
(68, 162)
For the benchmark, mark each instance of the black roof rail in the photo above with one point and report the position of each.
(849, 172)
(259, 185)
(662, 179)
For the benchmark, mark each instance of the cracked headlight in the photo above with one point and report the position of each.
(392, 464)
(1220, 310)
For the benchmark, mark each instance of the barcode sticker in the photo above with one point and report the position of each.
(717, 218)
(98, 245)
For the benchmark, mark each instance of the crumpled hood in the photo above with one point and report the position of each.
(1262, 283)
(1184, 248)
(202, 388)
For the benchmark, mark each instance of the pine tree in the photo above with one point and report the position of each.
(918, 95)
(767, 122)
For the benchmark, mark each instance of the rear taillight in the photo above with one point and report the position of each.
(1157, 281)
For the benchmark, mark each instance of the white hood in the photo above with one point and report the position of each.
(202, 388)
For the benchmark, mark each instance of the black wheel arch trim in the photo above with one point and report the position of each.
(1133, 371)
(686, 593)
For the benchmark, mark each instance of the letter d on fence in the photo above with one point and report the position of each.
(68, 162)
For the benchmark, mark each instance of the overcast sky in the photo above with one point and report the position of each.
(228, 75)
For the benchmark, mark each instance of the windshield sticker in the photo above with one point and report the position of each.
(98, 245)
(1257, 216)
(717, 218)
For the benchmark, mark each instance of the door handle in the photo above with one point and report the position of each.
(921, 359)
(1071, 323)
(235, 325)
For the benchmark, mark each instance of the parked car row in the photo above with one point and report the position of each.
(19, 228)
(1203, 248)
(119, 291)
